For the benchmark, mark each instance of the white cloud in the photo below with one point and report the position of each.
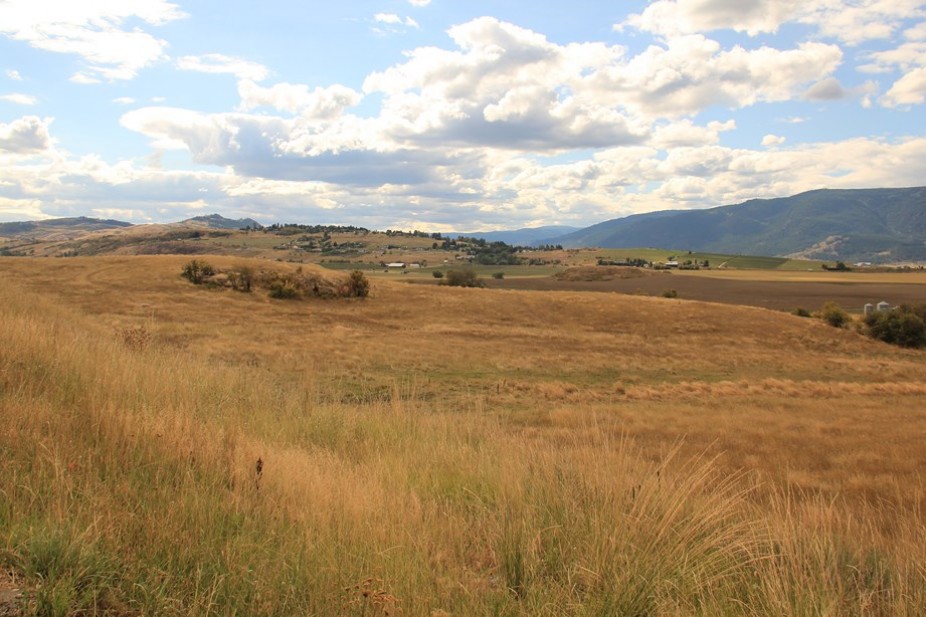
(25, 136)
(124, 100)
(771, 141)
(19, 99)
(84, 79)
(14, 75)
(677, 17)
(93, 30)
(851, 22)
(910, 60)
(908, 90)
(320, 103)
(419, 2)
(393, 22)
(219, 63)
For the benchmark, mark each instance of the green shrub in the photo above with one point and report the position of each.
(498, 275)
(358, 286)
(904, 326)
(801, 312)
(833, 314)
(670, 293)
(466, 277)
(196, 271)
(438, 274)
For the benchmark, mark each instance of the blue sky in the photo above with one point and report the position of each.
(451, 115)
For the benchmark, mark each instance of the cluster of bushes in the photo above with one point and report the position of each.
(904, 325)
(466, 277)
(279, 285)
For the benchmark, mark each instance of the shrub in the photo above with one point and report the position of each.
(801, 312)
(498, 275)
(284, 289)
(833, 314)
(903, 326)
(670, 293)
(242, 278)
(358, 286)
(196, 271)
(438, 274)
(464, 278)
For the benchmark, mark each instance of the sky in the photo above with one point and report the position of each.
(451, 115)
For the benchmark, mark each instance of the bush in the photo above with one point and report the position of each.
(498, 275)
(357, 285)
(801, 312)
(284, 289)
(438, 274)
(670, 293)
(904, 326)
(464, 278)
(242, 278)
(832, 314)
(196, 271)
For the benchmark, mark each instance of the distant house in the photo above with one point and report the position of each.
(672, 264)
(396, 264)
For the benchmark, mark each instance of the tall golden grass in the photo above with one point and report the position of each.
(438, 451)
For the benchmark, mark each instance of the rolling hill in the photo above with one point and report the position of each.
(876, 225)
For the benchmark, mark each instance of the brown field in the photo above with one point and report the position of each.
(468, 450)
(772, 290)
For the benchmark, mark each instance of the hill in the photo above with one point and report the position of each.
(527, 236)
(57, 226)
(876, 225)
(217, 221)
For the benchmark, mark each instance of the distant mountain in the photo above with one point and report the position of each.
(528, 236)
(80, 223)
(876, 225)
(217, 221)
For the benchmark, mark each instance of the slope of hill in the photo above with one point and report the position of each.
(877, 225)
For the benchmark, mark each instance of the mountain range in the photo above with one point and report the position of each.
(875, 225)
(872, 225)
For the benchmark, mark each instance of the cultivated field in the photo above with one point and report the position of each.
(773, 289)
(440, 451)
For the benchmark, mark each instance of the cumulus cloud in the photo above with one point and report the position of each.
(850, 22)
(828, 89)
(222, 64)
(93, 30)
(27, 135)
(770, 141)
(908, 90)
(19, 99)
(320, 103)
(14, 75)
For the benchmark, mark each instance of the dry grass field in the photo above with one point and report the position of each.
(440, 451)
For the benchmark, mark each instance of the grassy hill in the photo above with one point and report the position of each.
(438, 451)
(877, 225)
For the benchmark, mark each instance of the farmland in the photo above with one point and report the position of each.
(432, 450)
